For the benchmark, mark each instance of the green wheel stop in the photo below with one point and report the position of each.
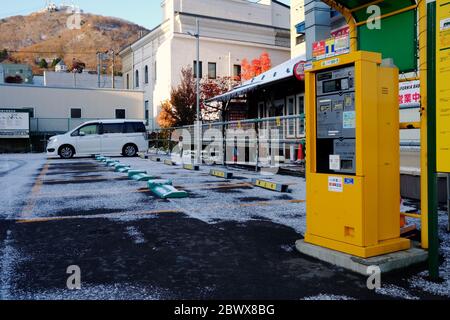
(123, 170)
(165, 190)
(269, 185)
(221, 174)
(142, 177)
(132, 173)
(120, 166)
(112, 163)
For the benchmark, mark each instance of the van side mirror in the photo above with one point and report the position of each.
(82, 134)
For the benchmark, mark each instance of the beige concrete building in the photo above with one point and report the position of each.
(57, 110)
(80, 80)
(230, 31)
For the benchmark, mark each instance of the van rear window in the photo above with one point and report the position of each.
(134, 127)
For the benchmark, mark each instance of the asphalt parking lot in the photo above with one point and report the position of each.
(227, 240)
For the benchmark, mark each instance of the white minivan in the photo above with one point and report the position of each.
(106, 137)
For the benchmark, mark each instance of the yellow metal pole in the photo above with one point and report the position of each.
(423, 127)
(352, 30)
(347, 14)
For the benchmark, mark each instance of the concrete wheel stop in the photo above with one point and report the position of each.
(165, 190)
(386, 263)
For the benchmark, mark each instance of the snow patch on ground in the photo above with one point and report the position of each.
(10, 257)
(16, 176)
(396, 292)
(98, 292)
(420, 281)
(328, 297)
(135, 235)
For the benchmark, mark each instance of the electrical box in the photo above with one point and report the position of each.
(353, 163)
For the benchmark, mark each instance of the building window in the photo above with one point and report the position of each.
(147, 112)
(137, 79)
(120, 113)
(237, 72)
(290, 111)
(200, 71)
(300, 111)
(155, 72)
(75, 113)
(212, 70)
(300, 39)
(301, 28)
(146, 75)
(31, 111)
(128, 81)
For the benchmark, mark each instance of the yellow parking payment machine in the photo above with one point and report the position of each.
(353, 169)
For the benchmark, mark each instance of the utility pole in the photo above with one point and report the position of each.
(199, 131)
(230, 71)
(113, 67)
(197, 35)
(98, 69)
(433, 224)
(197, 71)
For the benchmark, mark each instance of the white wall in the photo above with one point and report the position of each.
(297, 16)
(79, 80)
(410, 115)
(266, 12)
(214, 50)
(171, 49)
(55, 103)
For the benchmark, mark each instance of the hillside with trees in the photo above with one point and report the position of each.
(41, 38)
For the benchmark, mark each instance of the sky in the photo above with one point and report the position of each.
(146, 13)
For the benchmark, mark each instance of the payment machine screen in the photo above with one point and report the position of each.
(336, 121)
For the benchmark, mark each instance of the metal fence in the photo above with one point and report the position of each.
(255, 142)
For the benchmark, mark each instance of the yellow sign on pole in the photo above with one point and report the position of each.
(443, 85)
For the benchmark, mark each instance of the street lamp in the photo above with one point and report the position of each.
(197, 68)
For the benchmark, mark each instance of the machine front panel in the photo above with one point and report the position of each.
(336, 121)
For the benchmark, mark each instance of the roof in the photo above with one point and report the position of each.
(280, 72)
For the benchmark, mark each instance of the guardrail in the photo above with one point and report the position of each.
(286, 131)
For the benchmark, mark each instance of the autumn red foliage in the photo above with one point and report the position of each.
(258, 66)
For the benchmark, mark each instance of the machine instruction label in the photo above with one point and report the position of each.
(349, 121)
(335, 162)
(335, 184)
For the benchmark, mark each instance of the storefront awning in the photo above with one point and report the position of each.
(280, 72)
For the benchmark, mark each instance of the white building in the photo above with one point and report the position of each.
(61, 66)
(56, 110)
(81, 80)
(230, 31)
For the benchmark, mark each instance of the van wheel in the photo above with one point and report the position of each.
(130, 150)
(66, 152)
